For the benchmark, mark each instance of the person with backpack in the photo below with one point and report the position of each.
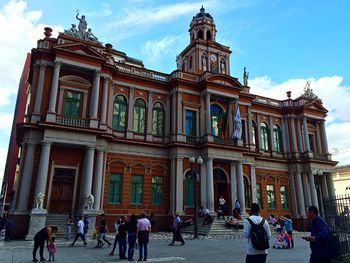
(319, 238)
(256, 229)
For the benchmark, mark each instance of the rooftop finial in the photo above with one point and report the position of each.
(202, 9)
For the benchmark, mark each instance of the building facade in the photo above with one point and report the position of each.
(105, 134)
(341, 178)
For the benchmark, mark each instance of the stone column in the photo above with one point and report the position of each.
(271, 146)
(324, 186)
(179, 186)
(210, 186)
(179, 113)
(306, 189)
(149, 136)
(94, 99)
(313, 189)
(167, 118)
(300, 195)
(41, 180)
(330, 185)
(300, 140)
(230, 120)
(253, 181)
(208, 113)
(240, 187)
(26, 178)
(318, 138)
(203, 184)
(130, 133)
(104, 103)
(98, 180)
(202, 118)
(51, 113)
(39, 93)
(294, 196)
(173, 111)
(285, 136)
(111, 108)
(250, 127)
(86, 182)
(258, 128)
(324, 138)
(306, 135)
(233, 186)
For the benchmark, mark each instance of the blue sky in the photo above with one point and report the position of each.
(282, 43)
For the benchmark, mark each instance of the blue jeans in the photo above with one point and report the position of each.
(122, 246)
(69, 232)
(131, 241)
(143, 241)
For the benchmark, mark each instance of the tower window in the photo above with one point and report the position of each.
(190, 63)
(208, 35)
(200, 34)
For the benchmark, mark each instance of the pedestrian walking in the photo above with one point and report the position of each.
(143, 230)
(258, 233)
(45, 234)
(131, 229)
(80, 232)
(319, 237)
(116, 239)
(122, 237)
(69, 227)
(288, 225)
(102, 233)
(177, 231)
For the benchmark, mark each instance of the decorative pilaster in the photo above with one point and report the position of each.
(300, 140)
(179, 186)
(208, 117)
(306, 189)
(179, 131)
(203, 182)
(306, 135)
(167, 119)
(253, 182)
(51, 114)
(39, 93)
(294, 141)
(26, 178)
(94, 99)
(149, 136)
(250, 128)
(202, 118)
(293, 192)
(86, 182)
(130, 133)
(173, 117)
(103, 124)
(111, 108)
(172, 185)
(285, 140)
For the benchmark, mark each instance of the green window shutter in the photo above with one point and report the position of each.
(271, 196)
(136, 189)
(284, 197)
(72, 103)
(158, 119)
(139, 116)
(115, 189)
(119, 113)
(157, 190)
(189, 192)
(277, 138)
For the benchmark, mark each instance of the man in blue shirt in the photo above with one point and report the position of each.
(319, 237)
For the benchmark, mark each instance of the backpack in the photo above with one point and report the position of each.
(258, 236)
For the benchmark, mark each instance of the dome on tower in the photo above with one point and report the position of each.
(202, 14)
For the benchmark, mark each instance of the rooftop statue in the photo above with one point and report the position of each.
(81, 32)
(308, 92)
(245, 77)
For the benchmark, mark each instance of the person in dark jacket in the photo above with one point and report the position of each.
(40, 237)
(131, 228)
(318, 238)
(122, 237)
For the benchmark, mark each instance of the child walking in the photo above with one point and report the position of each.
(52, 249)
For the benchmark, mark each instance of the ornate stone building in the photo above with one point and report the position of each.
(103, 133)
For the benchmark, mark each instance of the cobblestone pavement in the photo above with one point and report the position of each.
(205, 249)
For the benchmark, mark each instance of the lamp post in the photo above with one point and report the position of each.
(194, 177)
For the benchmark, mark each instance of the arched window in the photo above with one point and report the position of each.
(264, 136)
(189, 189)
(246, 191)
(208, 35)
(190, 63)
(277, 138)
(254, 134)
(119, 113)
(200, 34)
(139, 116)
(72, 103)
(217, 119)
(183, 66)
(158, 119)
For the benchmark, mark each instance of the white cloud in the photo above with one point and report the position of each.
(156, 49)
(335, 99)
(6, 122)
(105, 11)
(3, 154)
(19, 32)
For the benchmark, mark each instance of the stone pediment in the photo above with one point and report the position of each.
(224, 80)
(81, 49)
(315, 105)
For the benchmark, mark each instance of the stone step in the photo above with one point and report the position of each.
(60, 220)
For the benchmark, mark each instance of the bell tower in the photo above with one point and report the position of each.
(204, 53)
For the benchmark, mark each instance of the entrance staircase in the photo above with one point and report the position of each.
(60, 220)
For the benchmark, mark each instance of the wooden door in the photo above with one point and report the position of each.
(62, 191)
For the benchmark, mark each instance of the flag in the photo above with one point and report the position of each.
(223, 121)
(238, 124)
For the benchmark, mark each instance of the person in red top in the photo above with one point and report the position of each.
(143, 230)
(52, 249)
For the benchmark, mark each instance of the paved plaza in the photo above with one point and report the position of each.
(205, 249)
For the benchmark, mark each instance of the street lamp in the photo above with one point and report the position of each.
(192, 160)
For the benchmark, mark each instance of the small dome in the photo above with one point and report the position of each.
(202, 14)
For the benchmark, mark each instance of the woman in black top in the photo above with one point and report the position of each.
(39, 241)
(131, 228)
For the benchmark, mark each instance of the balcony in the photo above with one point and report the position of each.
(72, 121)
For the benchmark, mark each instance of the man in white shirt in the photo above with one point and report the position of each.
(80, 231)
(254, 255)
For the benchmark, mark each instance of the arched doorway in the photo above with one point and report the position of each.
(221, 188)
